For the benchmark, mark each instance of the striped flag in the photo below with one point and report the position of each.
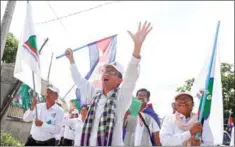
(100, 52)
(27, 58)
(207, 92)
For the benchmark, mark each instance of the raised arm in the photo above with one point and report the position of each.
(132, 71)
(86, 89)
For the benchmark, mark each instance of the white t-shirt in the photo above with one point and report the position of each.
(142, 137)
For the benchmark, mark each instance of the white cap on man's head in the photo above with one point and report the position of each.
(117, 66)
(53, 88)
(75, 111)
(183, 93)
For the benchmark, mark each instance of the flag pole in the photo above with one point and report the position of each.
(76, 49)
(49, 71)
(34, 94)
(33, 78)
(208, 77)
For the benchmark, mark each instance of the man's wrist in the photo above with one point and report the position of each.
(71, 61)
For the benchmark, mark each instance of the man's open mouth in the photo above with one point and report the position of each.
(106, 80)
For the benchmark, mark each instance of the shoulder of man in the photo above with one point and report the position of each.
(59, 109)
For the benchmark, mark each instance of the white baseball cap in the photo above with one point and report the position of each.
(117, 66)
(183, 93)
(53, 88)
(75, 111)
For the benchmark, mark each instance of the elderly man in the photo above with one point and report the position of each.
(103, 125)
(180, 128)
(48, 124)
(148, 124)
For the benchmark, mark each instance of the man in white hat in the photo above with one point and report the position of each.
(48, 123)
(180, 128)
(103, 125)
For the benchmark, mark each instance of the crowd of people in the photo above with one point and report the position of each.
(107, 121)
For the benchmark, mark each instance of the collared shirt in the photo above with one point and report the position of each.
(172, 135)
(142, 137)
(51, 119)
(131, 123)
(124, 99)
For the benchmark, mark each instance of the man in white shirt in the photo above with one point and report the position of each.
(79, 124)
(148, 124)
(48, 123)
(180, 128)
(103, 125)
(69, 132)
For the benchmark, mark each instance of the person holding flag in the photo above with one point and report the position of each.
(180, 128)
(148, 124)
(103, 125)
(48, 123)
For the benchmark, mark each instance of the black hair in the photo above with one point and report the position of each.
(85, 106)
(145, 90)
(119, 75)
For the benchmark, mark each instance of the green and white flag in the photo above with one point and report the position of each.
(27, 58)
(208, 85)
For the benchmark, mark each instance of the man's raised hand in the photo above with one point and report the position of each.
(69, 55)
(140, 36)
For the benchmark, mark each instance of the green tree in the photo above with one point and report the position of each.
(228, 89)
(10, 51)
(187, 86)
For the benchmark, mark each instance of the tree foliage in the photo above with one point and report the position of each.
(8, 140)
(228, 89)
(10, 50)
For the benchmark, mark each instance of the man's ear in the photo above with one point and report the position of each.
(120, 81)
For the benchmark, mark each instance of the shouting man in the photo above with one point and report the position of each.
(103, 124)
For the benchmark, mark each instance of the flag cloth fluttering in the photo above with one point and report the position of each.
(207, 92)
(100, 53)
(27, 58)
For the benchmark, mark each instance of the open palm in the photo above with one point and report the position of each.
(141, 34)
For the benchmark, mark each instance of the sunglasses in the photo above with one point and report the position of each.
(110, 72)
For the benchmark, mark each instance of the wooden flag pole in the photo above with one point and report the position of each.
(34, 94)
